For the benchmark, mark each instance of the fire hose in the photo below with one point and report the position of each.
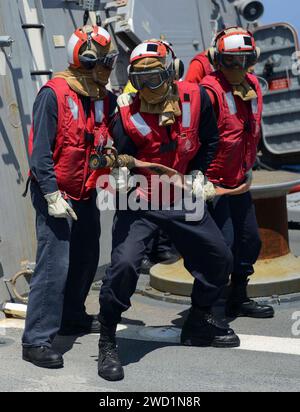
(109, 158)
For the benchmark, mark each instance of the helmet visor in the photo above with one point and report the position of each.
(238, 60)
(152, 79)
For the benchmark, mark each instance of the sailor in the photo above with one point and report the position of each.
(173, 124)
(237, 100)
(70, 117)
(159, 249)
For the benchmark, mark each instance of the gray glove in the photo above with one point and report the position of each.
(58, 207)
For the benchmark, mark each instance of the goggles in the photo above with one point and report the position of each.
(108, 61)
(237, 60)
(152, 79)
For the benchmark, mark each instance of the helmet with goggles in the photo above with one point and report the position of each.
(234, 48)
(147, 75)
(88, 46)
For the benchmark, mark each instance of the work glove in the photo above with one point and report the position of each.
(121, 176)
(209, 190)
(197, 183)
(58, 207)
(201, 186)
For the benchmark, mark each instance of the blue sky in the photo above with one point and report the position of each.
(282, 11)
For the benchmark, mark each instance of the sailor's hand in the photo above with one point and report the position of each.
(58, 207)
(121, 176)
(243, 188)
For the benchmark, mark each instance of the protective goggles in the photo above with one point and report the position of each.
(108, 61)
(237, 60)
(152, 79)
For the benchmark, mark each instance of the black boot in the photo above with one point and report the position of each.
(89, 324)
(43, 356)
(202, 329)
(238, 303)
(109, 365)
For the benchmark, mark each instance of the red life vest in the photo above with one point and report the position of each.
(239, 126)
(72, 148)
(203, 59)
(174, 147)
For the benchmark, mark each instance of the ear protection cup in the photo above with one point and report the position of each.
(178, 66)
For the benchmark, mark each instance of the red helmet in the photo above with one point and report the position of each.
(83, 35)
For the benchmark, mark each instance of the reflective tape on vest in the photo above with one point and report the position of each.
(140, 124)
(254, 106)
(186, 114)
(73, 107)
(231, 103)
(99, 111)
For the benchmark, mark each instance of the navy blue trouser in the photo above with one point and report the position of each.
(235, 216)
(201, 244)
(66, 263)
(159, 244)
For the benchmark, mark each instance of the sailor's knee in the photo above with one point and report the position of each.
(223, 255)
(123, 269)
